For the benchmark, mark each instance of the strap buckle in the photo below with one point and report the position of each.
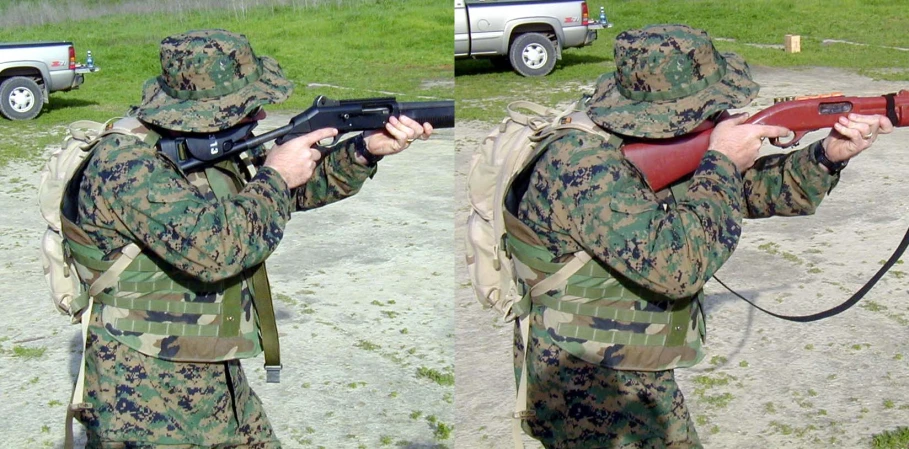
(273, 374)
(524, 414)
(78, 407)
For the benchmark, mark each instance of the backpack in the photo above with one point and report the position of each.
(60, 271)
(506, 152)
(501, 156)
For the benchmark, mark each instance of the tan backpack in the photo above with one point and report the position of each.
(503, 154)
(60, 271)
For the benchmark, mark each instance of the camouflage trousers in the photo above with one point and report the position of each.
(580, 405)
(142, 402)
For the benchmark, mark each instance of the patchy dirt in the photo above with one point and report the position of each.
(765, 382)
(363, 290)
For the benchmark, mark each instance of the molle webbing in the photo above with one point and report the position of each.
(144, 277)
(598, 294)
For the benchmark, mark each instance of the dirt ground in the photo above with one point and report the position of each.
(766, 383)
(364, 295)
(365, 310)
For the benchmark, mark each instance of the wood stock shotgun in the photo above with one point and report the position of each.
(664, 161)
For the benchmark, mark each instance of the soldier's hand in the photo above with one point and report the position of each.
(740, 142)
(854, 134)
(398, 134)
(296, 159)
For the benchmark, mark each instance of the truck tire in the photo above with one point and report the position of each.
(20, 98)
(532, 54)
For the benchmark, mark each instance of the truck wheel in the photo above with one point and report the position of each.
(532, 54)
(20, 98)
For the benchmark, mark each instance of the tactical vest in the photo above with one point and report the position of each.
(593, 315)
(160, 312)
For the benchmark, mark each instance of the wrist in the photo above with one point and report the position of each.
(819, 155)
(362, 151)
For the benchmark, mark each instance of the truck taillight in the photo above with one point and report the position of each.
(72, 58)
(585, 14)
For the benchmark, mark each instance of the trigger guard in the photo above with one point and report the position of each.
(775, 141)
(325, 149)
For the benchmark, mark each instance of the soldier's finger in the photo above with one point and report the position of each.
(427, 131)
(312, 138)
(410, 123)
(398, 130)
(312, 154)
(765, 131)
(866, 119)
(884, 125)
(850, 133)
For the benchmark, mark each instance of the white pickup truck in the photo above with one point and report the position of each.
(30, 71)
(527, 34)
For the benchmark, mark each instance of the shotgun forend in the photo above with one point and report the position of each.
(665, 161)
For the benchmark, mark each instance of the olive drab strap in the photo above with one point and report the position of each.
(506, 152)
(558, 278)
(105, 281)
(267, 325)
(259, 288)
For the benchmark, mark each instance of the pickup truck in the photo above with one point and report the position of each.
(529, 35)
(29, 72)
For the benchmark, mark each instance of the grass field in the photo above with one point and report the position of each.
(753, 29)
(327, 49)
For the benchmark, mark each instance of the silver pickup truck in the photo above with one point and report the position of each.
(529, 35)
(29, 72)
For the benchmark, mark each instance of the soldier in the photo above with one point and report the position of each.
(604, 344)
(162, 355)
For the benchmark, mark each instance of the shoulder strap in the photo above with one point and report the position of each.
(570, 119)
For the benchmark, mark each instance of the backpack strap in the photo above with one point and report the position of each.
(106, 280)
(127, 126)
(560, 277)
(570, 119)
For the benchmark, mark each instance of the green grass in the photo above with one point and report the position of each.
(443, 379)
(894, 439)
(331, 50)
(28, 353)
(482, 92)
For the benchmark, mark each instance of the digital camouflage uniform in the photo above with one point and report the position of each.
(583, 195)
(173, 392)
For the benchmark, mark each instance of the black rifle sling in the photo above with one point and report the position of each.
(845, 305)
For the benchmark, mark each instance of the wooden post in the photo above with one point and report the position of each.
(793, 43)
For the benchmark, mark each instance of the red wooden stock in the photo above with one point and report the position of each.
(664, 161)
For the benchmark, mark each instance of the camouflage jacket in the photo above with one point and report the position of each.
(584, 195)
(204, 245)
(131, 193)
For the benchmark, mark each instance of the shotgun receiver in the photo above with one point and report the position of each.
(191, 151)
(664, 161)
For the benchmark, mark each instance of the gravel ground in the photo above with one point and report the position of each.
(765, 382)
(364, 294)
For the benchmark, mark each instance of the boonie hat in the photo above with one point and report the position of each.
(668, 80)
(210, 80)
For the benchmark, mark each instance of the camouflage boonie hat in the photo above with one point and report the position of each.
(210, 80)
(668, 79)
